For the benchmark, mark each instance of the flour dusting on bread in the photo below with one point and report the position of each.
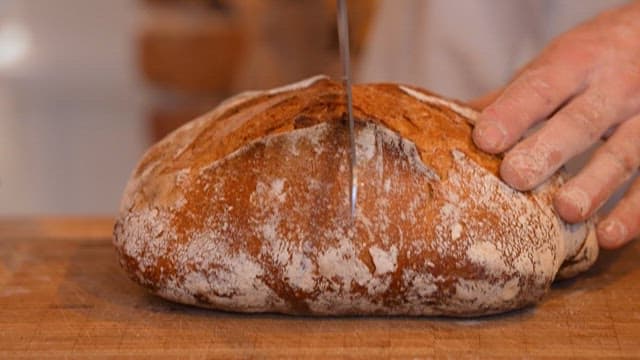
(464, 111)
(231, 213)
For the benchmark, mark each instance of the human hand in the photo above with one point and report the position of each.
(587, 84)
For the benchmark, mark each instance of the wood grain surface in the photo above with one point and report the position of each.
(62, 294)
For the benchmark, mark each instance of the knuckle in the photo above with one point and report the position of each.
(630, 136)
(628, 77)
(634, 191)
(593, 113)
(586, 120)
(535, 84)
(574, 51)
(622, 81)
(622, 157)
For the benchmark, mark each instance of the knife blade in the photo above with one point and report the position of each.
(343, 38)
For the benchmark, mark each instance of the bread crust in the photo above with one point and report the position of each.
(246, 209)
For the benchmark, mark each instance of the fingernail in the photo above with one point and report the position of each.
(490, 136)
(573, 204)
(520, 170)
(613, 232)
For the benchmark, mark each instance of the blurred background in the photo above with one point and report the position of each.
(87, 85)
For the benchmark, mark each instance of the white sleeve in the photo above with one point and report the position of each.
(464, 48)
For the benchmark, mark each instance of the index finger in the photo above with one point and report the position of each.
(535, 94)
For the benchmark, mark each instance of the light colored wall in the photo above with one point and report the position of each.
(71, 109)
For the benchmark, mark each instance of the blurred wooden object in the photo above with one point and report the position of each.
(189, 52)
(194, 53)
(190, 48)
(287, 41)
(291, 40)
(361, 15)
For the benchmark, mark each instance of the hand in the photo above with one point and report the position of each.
(585, 83)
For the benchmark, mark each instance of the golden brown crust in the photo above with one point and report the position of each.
(246, 209)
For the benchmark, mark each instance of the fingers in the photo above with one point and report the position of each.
(530, 98)
(572, 130)
(623, 223)
(611, 165)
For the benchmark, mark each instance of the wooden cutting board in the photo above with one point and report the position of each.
(62, 294)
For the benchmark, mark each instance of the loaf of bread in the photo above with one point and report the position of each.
(247, 209)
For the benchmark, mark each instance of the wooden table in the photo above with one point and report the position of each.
(62, 294)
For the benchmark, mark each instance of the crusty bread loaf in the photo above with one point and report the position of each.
(247, 209)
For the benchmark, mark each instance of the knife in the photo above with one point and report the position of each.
(343, 38)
